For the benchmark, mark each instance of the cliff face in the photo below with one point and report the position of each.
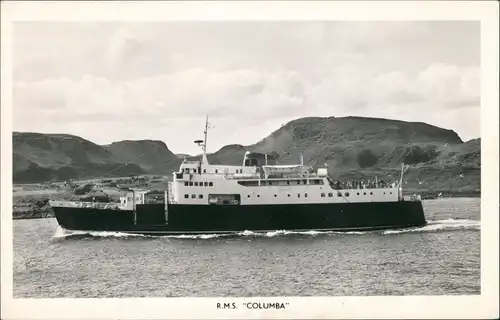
(352, 147)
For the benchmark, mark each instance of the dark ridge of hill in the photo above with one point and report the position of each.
(152, 156)
(53, 157)
(230, 155)
(338, 140)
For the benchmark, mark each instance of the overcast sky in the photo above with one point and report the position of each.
(157, 80)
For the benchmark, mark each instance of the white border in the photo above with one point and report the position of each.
(466, 307)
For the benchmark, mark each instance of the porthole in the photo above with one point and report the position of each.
(305, 195)
(211, 184)
(339, 194)
(248, 196)
(371, 193)
(298, 195)
(200, 196)
(193, 196)
(390, 192)
(346, 194)
(275, 196)
(322, 194)
(330, 194)
(258, 196)
(288, 195)
(358, 193)
(186, 196)
(364, 193)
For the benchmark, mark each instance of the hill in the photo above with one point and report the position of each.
(46, 157)
(352, 147)
(361, 148)
(152, 156)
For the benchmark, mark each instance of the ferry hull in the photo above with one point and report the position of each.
(196, 219)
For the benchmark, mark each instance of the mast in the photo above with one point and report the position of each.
(204, 160)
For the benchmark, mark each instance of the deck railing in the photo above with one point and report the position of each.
(94, 205)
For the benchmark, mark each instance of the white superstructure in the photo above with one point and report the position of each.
(201, 183)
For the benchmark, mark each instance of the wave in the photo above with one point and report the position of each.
(62, 233)
(441, 225)
(432, 226)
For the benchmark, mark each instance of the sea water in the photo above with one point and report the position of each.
(441, 258)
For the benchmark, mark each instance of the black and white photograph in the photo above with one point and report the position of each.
(248, 162)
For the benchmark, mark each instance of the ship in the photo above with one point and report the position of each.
(260, 195)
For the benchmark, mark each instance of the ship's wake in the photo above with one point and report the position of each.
(441, 225)
(432, 226)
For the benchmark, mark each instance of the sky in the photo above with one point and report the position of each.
(110, 81)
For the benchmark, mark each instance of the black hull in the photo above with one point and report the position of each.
(196, 219)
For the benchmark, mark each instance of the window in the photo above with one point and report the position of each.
(305, 195)
(200, 196)
(191, 183)
(211, 184)
(248, 196)
(364, 193)
(322, 194)
(204, 170)
(390, 192)
(304, 181)
(206, 184)
(186, 183)
(288, 182)
(339, 194)
(298, 195)
(186, 196)
(193, 196)
(196, 184)
(216, 170)
(129, 199)
(384, 192)
(330, 194)
(346, 194)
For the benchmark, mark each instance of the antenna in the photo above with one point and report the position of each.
(403, 169)
(205, 142)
